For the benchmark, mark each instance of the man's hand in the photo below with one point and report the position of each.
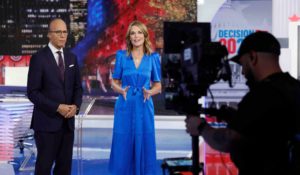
(72, 111)
(63, 109)
(192, 123)
(67, 111)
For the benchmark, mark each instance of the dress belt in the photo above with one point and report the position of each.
(136, 90)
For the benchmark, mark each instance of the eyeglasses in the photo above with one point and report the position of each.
(59, 32)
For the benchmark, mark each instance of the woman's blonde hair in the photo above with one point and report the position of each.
(143, 28)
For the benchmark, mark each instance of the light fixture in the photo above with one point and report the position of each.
(200, 2)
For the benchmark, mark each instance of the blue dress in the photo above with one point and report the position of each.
(133, 150)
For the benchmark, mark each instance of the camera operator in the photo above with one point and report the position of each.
(260, 136)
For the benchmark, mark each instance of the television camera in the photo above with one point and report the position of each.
(190, 64)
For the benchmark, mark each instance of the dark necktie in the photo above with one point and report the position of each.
(61, 65)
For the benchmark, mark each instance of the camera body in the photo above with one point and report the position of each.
(192, 67)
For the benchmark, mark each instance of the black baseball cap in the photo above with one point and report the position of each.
(259, 41)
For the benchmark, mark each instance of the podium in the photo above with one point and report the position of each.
(85, 108)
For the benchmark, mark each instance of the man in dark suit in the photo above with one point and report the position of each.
(54, 87)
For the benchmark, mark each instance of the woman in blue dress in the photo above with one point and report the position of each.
(136, 78)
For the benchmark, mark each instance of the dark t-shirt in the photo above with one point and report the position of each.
(267, 118)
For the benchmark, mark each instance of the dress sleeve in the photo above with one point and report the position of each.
(118, 70)
(155, 72)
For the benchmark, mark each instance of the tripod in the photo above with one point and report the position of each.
(184, 164)
(196, 166)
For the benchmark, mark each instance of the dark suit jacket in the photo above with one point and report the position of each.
(46, 90)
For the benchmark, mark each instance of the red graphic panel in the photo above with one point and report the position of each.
(217, 163)
(12, 61)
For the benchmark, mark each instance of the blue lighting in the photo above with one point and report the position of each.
(100, 14)
(95, 14)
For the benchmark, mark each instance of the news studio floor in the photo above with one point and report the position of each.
(96, 149)
(171, 140)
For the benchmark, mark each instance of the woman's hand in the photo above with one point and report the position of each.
(117, 87)
(147, 94)
(124, 92)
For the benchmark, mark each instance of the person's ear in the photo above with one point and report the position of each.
(253, 57)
